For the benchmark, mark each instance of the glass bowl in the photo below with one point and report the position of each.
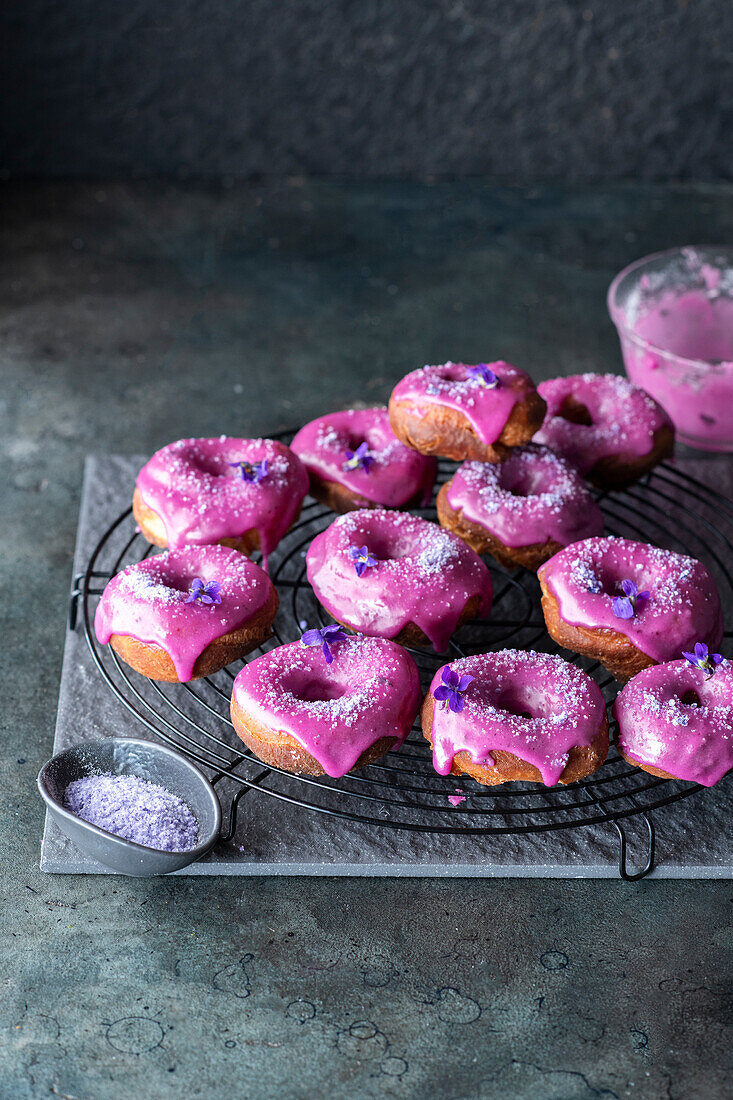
(674, 315)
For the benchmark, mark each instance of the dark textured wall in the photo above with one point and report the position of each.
(510, 89)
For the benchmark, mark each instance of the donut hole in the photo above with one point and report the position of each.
(575, 411)
(522, 482)
(212, 465)
(690, 699)
(314, 690)
(384, 548)
(514, 703)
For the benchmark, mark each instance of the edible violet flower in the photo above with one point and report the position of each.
(324, 638)
(703, 659)
(204, 592)
(485, 375)
(624, 607)
(450, 692)
(359, 457)
(251, 471)
(361, 558)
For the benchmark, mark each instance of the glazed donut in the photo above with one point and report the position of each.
(627, 604)
(354, 460)
(297, 712)
(611, 430)
(243, 493)
(676, 721)
(186, 613)
(394, 575)
(522, 510)
(466, 412)
(515, 715)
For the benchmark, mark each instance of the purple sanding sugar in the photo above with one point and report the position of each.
(135, 809)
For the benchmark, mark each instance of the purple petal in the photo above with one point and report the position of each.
(716, 658)
(370, 560)
(622, 608)
(464, 682)
(701, 651)
(360, 567)
(191, 598)
(450, 677)
(204, 598)
(642, 596)
(442, 692)
(456, 702)
(312, 637)
(690, 657)
(629, 588)
(327, 653)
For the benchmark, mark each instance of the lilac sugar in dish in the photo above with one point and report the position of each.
(628, 604)
(135, 809)
(522, 510)
(675, 720)
(515, 715)
(244, 493)
(394, 575)
(355, 460)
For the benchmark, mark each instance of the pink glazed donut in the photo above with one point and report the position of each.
(186, 613)
(465, 412)
(628, 604)
(394, 575)
(243, 493)
(522, 510)
(515, 715)
(612, 431)
(297, 712)
(355, 460)
(676, 721)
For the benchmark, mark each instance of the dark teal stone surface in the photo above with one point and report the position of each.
(131, 315)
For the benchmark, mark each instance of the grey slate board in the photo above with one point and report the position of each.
(276, 838)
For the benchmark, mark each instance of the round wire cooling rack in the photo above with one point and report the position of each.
(401, 790)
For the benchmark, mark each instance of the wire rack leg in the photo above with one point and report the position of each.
(623, 868)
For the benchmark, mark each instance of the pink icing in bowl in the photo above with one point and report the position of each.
(674, 315)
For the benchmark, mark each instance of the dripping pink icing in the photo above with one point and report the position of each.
(397, 473)
(147, 601)
(533, 496)
(565, 705)
(487, 409)
(691, 742)
(338, 711)
(683, 605)
(624, 417)
(424, 575)
(202, 500)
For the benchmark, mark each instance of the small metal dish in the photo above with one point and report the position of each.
(148, 760)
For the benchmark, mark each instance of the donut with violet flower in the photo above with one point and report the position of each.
(627, 604)
(354, 460)
(466, 412)
(522, 510)
(186, 613)
(515, 715)
(612, 431)
(327, 704)
(675, 720)
(395, 575)
(242, 493)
